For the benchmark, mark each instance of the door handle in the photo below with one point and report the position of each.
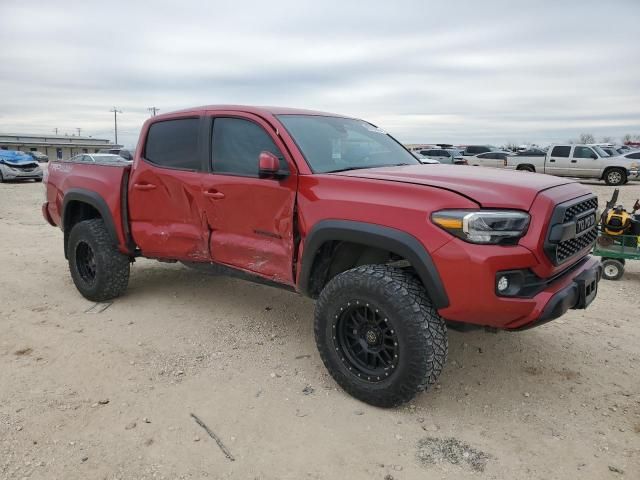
(552, 160)
(574, 161)
(213, 194)
(144, 186)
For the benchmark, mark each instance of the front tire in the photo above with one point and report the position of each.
(378, 334)
(615, 177)
(99, 271)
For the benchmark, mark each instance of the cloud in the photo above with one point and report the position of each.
(460, 71)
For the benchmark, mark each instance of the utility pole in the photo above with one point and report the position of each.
(56, 130)
(115, 121)
(79, 131)
(153, 110)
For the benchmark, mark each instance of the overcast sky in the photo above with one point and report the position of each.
(450, 71)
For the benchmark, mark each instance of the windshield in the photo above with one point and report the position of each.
(333, 144)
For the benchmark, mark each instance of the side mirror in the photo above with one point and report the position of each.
(268, 165)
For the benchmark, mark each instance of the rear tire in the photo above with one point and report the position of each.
(378, 334)
(615, 177)
(612, 269)
(526, 168)
(99, 271)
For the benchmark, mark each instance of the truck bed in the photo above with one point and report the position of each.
(66, 180)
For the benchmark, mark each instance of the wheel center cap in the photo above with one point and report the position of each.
(371, 337)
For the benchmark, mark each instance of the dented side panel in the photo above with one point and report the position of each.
(252, 226)
(166, 213)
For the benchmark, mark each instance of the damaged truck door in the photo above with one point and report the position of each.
(165, 193)
(250, 216)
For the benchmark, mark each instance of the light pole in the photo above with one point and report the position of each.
(115, 121)
(153, 110)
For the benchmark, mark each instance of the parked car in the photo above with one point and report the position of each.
(476, 149)
(99, 158)
(496, 159)
(16, 165)
(425, 160)
(532, 152)
(583, 161)
(442, 155)
(123, 152)
(38, 156)
(391, 251)
(614, 151)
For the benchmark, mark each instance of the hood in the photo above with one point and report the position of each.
(490, 187)
(12, 157)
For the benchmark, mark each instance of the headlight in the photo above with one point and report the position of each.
(483, 226)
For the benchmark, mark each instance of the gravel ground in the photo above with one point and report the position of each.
(91, 392)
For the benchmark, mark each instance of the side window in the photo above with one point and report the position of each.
(174, 144)
(561, 151)
(473, 150)
(236, 146)
(635, 156)
(582, 152)
(484, 155)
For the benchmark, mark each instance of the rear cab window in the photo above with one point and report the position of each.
(561, 151)
(174, 144)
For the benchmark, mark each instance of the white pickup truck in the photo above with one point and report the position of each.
(583, 161)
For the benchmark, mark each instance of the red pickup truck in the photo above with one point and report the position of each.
(334, 208)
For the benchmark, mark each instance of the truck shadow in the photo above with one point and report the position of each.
(488, 366)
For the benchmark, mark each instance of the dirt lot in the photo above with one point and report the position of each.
(87, 395)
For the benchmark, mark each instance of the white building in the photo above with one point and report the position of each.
(59, 147)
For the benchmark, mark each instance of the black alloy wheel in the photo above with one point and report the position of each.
(366, 340)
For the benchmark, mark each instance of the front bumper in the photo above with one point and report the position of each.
(577, 295)
(469, 277)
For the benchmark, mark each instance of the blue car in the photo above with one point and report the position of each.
(18, 166)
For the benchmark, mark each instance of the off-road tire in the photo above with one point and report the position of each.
(111, 275)
(615, 177)
(421, 332)
(612, 269)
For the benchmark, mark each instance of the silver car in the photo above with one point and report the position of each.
(19, 166)
(444, 155)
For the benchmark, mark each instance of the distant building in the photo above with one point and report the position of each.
(61, 147)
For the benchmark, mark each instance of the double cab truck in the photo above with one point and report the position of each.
(332, 207)
(582, 161)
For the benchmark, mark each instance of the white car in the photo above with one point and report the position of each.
(582, 161)
(489, 159)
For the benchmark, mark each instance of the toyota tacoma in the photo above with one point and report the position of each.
(336, 209)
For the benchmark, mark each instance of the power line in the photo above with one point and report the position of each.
(115, 121)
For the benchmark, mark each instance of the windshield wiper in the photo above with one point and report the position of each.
(368, 166)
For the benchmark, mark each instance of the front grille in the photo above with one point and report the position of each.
(569, 248)
(25, 168)
(579, 208)
(562, 242)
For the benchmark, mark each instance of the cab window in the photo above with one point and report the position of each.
(583, 152)
(236, 146)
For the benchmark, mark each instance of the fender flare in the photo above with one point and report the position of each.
(377, 236)
(96, 201)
